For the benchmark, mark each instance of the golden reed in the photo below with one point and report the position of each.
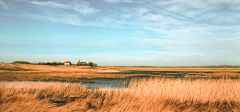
(145, 94)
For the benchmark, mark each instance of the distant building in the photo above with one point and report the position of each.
(67, 63)
(82, 64)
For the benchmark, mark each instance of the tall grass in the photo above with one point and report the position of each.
(152, 94)
(203, 90)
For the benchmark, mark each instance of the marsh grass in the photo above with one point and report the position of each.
(21, 72)
(64, 76)
(12, 67)
(145, 94)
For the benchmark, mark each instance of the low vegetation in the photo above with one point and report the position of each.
(11, 67)
(146, 94)
(21, 62)
(50, 63)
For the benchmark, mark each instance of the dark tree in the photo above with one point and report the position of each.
(91, 64)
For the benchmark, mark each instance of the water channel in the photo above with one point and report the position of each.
(123, 82)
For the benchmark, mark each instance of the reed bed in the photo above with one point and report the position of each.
(204, 90)
(145, 94)
(50, 76)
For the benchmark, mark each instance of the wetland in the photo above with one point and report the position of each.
(78, 88)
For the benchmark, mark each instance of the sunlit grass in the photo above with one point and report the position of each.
(146, 94)
(203, 90)
(27, 70)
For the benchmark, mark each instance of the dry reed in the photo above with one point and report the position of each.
(152, 94)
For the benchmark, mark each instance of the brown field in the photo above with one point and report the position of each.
(144, 94)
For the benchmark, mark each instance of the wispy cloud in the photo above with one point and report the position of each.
(96, 44)
(118, 1)
(164, 15)
(173, 55)
(84, 44)
(172, 13)
(80, 7)
(50, 4)
(3, 5)
(72, 12)
(4, 49)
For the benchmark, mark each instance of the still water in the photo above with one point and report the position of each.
(114, 83)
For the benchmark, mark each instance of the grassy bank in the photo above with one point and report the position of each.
(151, 94)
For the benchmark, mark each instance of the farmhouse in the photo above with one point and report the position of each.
(67, 63)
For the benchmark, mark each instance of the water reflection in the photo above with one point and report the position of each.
(105, 82)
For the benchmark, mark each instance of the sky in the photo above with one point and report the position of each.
(121, 32)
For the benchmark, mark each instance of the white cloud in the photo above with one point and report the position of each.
(118, 1)
(4, 49)
(72, 43)
(71, 12)
(82, 7)
(157, 15)
(3, 5)
(167, 54)
(154, 17)
(95, 44)
(142, 11)
(211, 40)
(50, 4)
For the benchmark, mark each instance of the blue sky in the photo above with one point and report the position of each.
(121, 32)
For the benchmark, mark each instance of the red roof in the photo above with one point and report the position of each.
(67, 62)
